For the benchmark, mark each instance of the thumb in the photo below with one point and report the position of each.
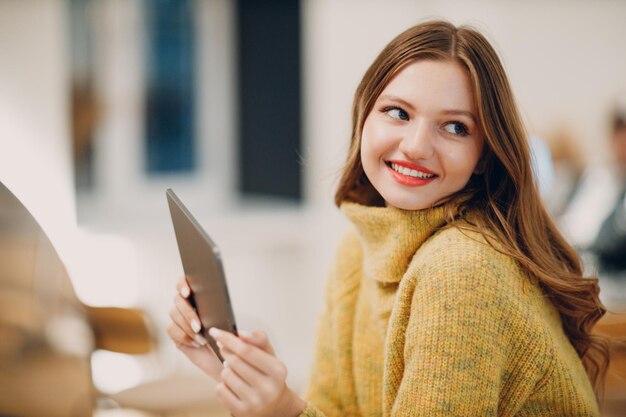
(258, 339)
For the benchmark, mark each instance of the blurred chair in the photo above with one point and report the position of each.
(122, 330)
(614, 326)
(46, 334)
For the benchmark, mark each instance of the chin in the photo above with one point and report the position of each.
(407, 204)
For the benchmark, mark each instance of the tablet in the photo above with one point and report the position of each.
(204, 272)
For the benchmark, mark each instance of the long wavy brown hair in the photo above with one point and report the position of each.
(504, 193)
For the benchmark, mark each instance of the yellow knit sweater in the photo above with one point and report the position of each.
(426, 320)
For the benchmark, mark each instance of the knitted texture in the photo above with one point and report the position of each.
(423, 319)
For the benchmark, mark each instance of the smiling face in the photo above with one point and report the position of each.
(421, 142)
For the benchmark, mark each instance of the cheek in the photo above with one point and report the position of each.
(460, 161)
(368, 157)
(371, 144)
(365, 149)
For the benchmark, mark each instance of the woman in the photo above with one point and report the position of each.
(454, 294)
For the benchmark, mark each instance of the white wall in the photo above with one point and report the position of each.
(34, 146)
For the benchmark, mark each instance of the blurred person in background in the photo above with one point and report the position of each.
(595, 220)
(596, 193)
(567, 166)
(609, 246)
(454, 293)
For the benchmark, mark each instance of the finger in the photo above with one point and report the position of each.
(248, 374)
(227, 354)
(256, 357)
(229, 399)
(205, 359)
(184, 326)
(179, 337)
(188, 312)
(231, 357)
(259, 339)
(237, 384)
(183, 287)
(224, 350)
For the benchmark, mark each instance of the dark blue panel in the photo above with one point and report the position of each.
(170, 130)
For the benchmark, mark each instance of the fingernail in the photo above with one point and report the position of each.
(200, 340)
(196, 345)
(225, 364)
(195, 326)
(185, 292)
(220, 345)
(215, 332)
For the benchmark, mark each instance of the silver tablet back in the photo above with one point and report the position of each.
(204, 271)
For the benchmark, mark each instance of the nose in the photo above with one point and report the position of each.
(418, 141)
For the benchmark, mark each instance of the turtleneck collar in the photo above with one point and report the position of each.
(390, 236)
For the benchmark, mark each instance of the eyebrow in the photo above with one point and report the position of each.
(460, 112)
(410, 106)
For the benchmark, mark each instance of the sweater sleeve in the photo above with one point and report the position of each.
(469, 335)
(325, 384)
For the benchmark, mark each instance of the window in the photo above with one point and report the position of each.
(201, 96)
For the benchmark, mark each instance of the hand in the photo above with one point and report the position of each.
(184, 331)
(253, 381)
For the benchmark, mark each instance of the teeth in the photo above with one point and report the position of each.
(410, 172)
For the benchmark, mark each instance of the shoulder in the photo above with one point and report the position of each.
(462, 258)
(468, 295)
(459, 275)
(460, 244)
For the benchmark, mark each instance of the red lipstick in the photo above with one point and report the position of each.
(408, 180)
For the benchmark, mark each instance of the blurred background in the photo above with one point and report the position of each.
(243, 108)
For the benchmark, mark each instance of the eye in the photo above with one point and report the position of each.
(456, 128)
(396, 113)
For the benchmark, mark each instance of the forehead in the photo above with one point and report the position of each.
(435, 84)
